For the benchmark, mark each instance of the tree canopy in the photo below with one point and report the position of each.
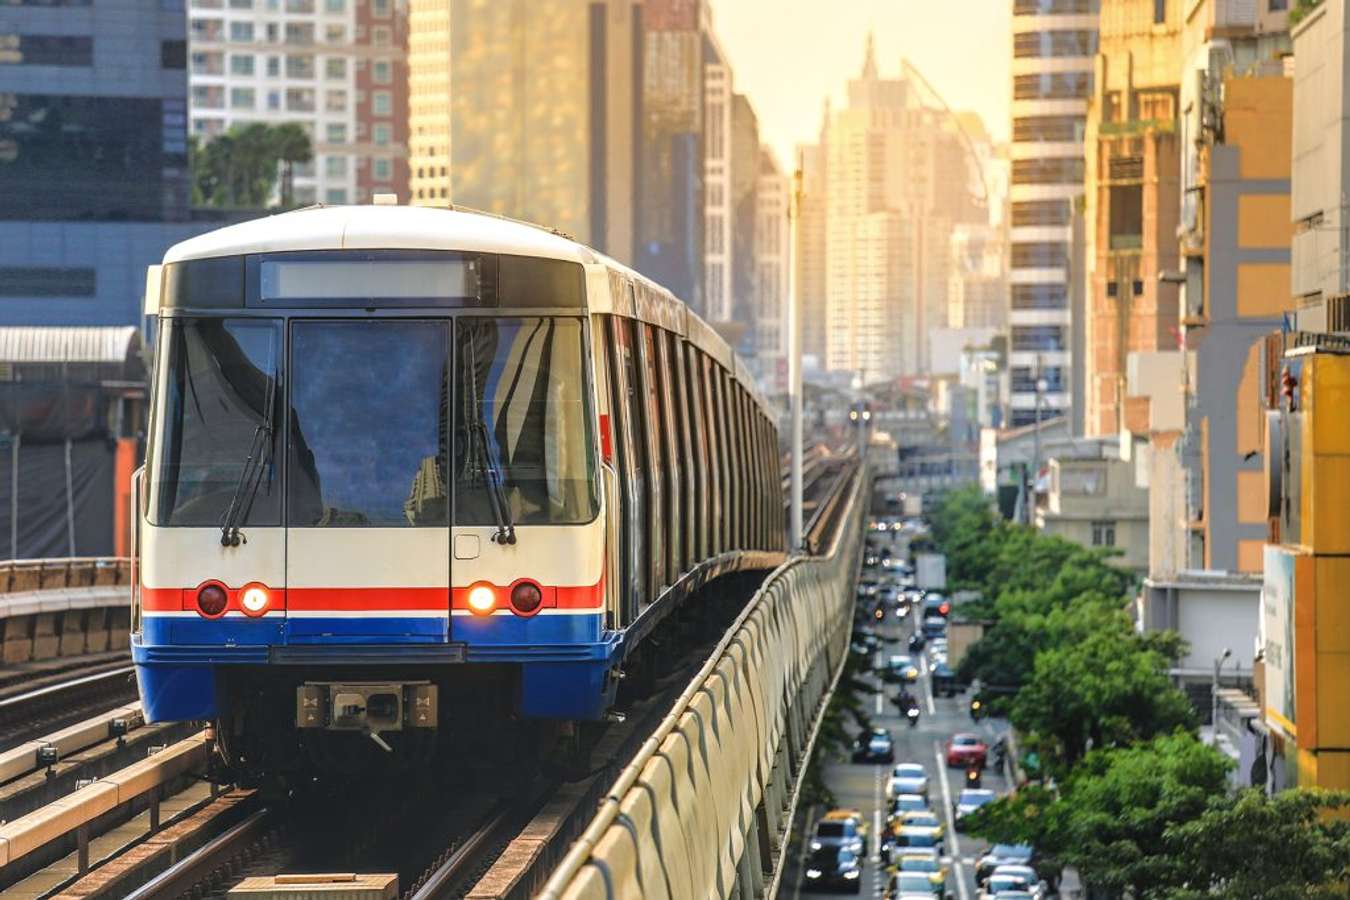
(240, 168)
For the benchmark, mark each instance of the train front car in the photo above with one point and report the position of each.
(371, 491)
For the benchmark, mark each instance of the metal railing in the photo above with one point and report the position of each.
(45, 574)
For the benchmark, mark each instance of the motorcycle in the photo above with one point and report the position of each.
(913, 715)
(976, 710)
(916, 643)
(973, 777)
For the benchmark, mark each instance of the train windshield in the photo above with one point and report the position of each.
(522, 417)
(215, 379)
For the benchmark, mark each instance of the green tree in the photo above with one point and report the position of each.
(1247, 844)
(1103, 687)
(1111, 816)
(239, 169)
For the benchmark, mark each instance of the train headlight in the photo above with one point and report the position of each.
(255, 599)
(526, 597)
(482, 599)
(212, 600)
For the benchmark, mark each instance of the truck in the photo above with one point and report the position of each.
(930, 571)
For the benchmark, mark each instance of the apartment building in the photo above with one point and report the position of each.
(1132, 199)
(337, 68)
(1054, 44)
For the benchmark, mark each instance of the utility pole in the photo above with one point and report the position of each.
(1041, 386)
(795, 358)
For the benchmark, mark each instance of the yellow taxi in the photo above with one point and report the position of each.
(845, 828)
(920, 861)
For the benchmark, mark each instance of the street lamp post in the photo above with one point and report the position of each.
(1214, 696)
(795, 363)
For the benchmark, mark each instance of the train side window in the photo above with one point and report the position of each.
(751, 471)
(725, 473)
(743, 492)
(698, 434)
(714, 430)
(684, 448)
(670, 425)
(621, 378)
(652, 426)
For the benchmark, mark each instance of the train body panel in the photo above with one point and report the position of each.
(399, 454)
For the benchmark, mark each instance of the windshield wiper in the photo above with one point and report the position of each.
(251, 475)
(481, 456)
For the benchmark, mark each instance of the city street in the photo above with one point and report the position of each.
(862, 786)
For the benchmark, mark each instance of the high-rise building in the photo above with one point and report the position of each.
(1054, 44)
(977, 286)
(93, 156)
(1132, 199)
(810, 250)
(898, 176)
(670, 202)
(337, 68)
(746, 164)
(719, 197)
(770, 312)
(531, 111)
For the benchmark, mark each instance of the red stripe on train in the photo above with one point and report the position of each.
(336, 599)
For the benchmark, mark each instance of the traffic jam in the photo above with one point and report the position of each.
(930, 758)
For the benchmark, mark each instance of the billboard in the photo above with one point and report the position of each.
(1277, 620)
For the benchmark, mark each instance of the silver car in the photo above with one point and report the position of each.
(907, 778)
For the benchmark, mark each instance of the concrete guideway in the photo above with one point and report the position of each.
(703, 809)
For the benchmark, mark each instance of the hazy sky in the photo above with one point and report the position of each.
(789, 55)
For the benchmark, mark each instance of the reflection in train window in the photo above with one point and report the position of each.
(522, 418)
(368, 424)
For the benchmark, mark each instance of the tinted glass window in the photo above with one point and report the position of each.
(86, 158)
(368, 424)
(521, 413)
(218, 386)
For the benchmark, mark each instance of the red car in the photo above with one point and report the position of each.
(965, 750)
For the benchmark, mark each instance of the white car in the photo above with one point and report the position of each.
(907, 778)
(1014, 878)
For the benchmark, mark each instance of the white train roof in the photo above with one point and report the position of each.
(381, 227)
(428, 228)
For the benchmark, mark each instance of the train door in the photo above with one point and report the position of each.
(368, 510)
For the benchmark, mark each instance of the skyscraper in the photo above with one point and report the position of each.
(898, 177)
(530, 111)
(1054, 43)
(810, 249)
(770, 311)
(93, 156)
(337, 68)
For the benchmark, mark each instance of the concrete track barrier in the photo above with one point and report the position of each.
(702, 810)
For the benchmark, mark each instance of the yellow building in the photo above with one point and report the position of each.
(1305, 602)
(527, 110)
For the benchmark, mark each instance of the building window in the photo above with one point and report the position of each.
(208, 96)
(45, 50)
(382, 103)
(1040, 255)
(335, 133)
(381, 36)
(1278, 5)
(300, 34)
(241, 32)
(274, 99)
(382, 169)
(335, 101)
(335, 195)
(380, 8)
(1048, 128)
(335, 166)
(335, 68)
(1040, 212)
(300, 67)
(300, 6)
(335, 34)
(1037, 338)
(1068, 170)
(243, 98)
(47, 281)
(300, 99)
(1103, 534)
(208, 63)
(1039, 296)
(1052, 86)
(335, 6)
(382, 135)
(1159, 11)
(381, 72)
(241, 64)
(241, 4)
(274, 67)
(173, 54)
